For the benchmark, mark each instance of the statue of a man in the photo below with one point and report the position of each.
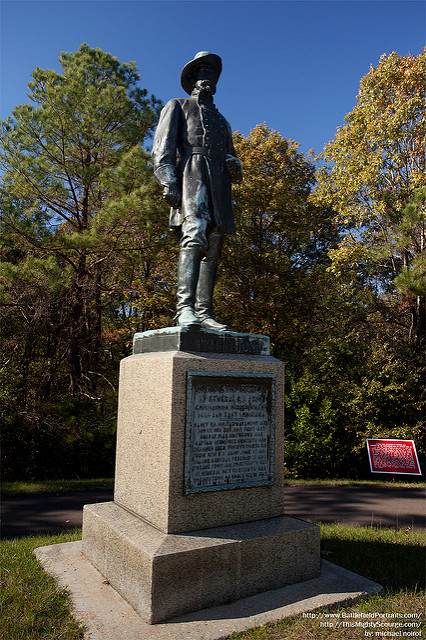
(197, 185)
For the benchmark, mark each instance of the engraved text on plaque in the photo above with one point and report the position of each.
(229, 440)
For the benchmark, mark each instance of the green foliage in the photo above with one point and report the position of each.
(77, 194)
(83, 258)
(274, 263)
(376, 185)
(71, 438)
(410, 241)
(363, 373)
(352, 388)
(334, 276)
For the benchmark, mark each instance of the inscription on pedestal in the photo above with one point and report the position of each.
(229, 439)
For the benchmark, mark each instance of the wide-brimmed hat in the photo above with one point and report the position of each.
(199, 58)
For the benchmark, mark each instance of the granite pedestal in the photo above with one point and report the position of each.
(197, 518)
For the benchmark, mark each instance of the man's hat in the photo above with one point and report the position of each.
(199, 58)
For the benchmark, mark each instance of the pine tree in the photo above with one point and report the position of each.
(77, 193)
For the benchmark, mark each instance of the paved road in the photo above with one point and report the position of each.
(27, 514)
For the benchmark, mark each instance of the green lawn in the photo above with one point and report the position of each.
(393, 558)
(379, 482)
(33, 609)
(41, 486)
(45, 486)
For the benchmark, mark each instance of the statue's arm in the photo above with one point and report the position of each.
(164, 151)
(233, 164)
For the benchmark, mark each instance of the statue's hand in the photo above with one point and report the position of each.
(234, 168)
(172, 195)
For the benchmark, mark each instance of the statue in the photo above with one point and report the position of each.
(197, 186)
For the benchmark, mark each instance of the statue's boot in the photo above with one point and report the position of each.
(206, 281)
(188, 273)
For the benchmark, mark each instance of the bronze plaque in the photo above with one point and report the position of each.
(229, 439)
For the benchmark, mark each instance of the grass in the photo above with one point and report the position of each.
(47, 486)
(395, 558)
(355, 483)
(328, 623)
(34, 609)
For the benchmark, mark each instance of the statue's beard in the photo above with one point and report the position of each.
(205, 86)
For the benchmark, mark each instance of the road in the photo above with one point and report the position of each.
(390, 506)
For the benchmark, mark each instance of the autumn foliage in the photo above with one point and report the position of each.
(328, 262)
(376, 185)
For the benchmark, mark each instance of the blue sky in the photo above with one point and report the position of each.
(294, 64)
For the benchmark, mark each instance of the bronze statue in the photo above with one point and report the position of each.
(197, 186)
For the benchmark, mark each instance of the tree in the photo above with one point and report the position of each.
(76, 187)
(349, 375)
(83, 258)
(271, 267)
(409, 241)
(357, 380)
(376, 186)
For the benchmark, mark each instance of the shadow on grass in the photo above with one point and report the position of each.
(393, 558)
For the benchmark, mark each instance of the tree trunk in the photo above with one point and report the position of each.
(418, 324)
(78, 325)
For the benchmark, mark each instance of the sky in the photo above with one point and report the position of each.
(293, 64)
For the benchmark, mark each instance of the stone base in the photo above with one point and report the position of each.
(199, 340)
(107, 616)
(153, 436)
(167, 575)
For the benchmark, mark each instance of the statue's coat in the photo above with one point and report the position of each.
(190, 145)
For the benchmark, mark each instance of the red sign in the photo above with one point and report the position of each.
(393, 456)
